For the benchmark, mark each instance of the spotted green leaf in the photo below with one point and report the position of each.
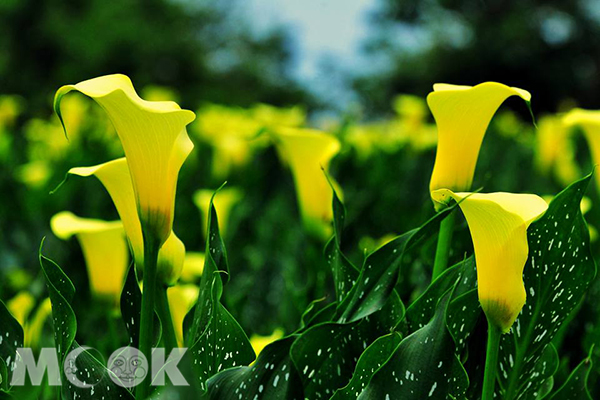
(376, 355)
(423, 366)
(379, 274)
(326, 354)
(215, 339)
(11, 338)
(82, 364)
(558, 272)
(273, 376)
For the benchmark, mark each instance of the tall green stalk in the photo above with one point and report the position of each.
(491, 362)
(151, 247)
(442, 252)
(164, 313)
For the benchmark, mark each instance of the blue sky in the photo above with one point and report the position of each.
(330, 31)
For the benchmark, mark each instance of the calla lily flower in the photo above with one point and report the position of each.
(115, 177)
(21, 307)
(155, 142)
(589, 122)
(462, 115)
(193, 265)
(555, 151)
(308, 152)
(181, 300)
(224, 201)
(106, 269)
(498, 223)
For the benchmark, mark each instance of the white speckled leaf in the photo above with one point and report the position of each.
(423, 366)
(376, 355)
(379, 274)
(326, 354)
(11, 338)
(216, 341)
(88, 369)
(558, 272)
(273, 376)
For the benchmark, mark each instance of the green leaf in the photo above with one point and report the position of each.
(575, 388)
(344, 272)
(11, 338)
(376, 355)
(326, 354)
(273, 376)
(85, 366)
(222, 345)
(424, 365)
(215, 340)
(558, 272)
(420, 312)
(316, 312)
(379, 274)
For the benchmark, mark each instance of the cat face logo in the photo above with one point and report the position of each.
(129, 367)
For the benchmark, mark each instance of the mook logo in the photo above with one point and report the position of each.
(127, 367)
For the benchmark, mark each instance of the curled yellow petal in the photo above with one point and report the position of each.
(224, 201)
(308, 152)
(260, 342)
(181, 300)
(154, 139)
(462, 115)
(104, 249)
(498, 223)
(116, 179)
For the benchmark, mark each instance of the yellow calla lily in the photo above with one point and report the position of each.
(21, 307)
(155, 141)
(193, 265)
(462, 115)
(33, 329)
(181, 300)
(308, 152)
(589, 122)
(498, 223)
(555, 151)
(224, 201)
(116, 179)
(260, 342)
(106, 269)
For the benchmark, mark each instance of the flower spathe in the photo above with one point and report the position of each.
(589, 122)
(308, 152)
(154, 137)
(116, 179)
(21, 307)
(498, 224)
(224, 201)
(106, 269)
(462, 115)
(181, 300)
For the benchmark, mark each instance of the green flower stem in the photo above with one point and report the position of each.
(151, 247)
(491, 362)
(164, 313)
(442, 252)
